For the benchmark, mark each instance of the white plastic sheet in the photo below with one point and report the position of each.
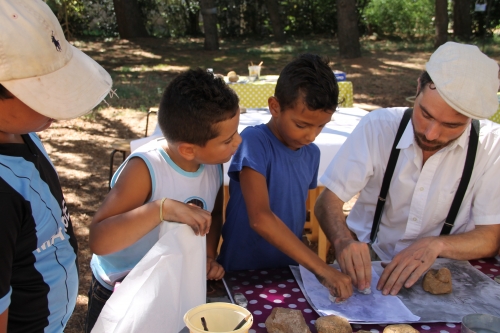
(163, 286)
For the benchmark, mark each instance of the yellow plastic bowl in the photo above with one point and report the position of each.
(220, 318)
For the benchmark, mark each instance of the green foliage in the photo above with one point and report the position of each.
(168, 18)
(237, 18)
(404, 18)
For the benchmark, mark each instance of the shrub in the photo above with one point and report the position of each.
(403, 18)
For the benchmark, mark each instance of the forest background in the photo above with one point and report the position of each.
(143, 44)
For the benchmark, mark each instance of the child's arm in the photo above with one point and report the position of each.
(214, 269)
(271, 228)
(124, 218)
(4, 317)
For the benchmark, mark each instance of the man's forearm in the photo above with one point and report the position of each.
(330, 214)
(482, 242)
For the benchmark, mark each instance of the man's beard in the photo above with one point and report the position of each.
(427, 145)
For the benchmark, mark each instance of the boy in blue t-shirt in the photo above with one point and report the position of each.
(42, 78)
(271, 173)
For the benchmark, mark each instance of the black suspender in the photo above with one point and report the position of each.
(391, 165)
(462, 186)
(464, 182)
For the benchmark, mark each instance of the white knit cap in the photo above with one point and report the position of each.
(466, 79)
(40, 67)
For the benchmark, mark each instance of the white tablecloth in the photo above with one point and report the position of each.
(329, 140)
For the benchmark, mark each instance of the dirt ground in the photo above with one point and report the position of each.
(80, 148)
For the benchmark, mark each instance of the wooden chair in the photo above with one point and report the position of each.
(316, 233)
(123, 146)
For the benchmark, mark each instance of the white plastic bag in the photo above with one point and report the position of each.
(162, 287)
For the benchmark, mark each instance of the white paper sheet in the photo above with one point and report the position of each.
(372, 308)
(162, 287)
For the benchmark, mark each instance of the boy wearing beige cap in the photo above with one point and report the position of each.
(427, 176)
(42, 78)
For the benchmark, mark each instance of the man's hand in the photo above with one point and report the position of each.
(198, 219)
(214, 270)
(354, 260)
(408, 265)
(339, 284)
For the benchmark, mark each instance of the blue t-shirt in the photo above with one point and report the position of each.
(289, 175)
(38, 268)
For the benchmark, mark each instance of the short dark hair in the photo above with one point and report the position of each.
(192, 104)
(425, 79)
(310, 76)
(4, 93)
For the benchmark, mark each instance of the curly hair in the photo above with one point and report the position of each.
(192, 105)
(309, 76)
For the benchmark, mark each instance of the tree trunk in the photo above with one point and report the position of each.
(462, 19)
(348, 34)
(441, 23)
(209, 13)
(129, 19)
(274, 15)
(192, 22)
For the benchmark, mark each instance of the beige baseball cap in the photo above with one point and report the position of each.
(40, 67)
(466, 79)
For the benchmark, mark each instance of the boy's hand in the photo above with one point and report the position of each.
(339, 284)
(214, 270)
(195, 217)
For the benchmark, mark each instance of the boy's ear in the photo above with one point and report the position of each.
(274, 106)
(186, 150)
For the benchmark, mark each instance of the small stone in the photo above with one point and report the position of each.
(400, 328)
(283, 320)
(333, 298)
(333, 324)
(437, 282)
(366, 291)
(233, 78)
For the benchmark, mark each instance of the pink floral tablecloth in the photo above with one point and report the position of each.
(266, 289)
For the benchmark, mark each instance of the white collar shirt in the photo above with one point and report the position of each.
(419, 198)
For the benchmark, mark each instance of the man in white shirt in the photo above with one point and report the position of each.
(460, 84)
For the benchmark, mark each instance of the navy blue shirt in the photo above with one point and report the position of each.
(289, 175)
(38, 268)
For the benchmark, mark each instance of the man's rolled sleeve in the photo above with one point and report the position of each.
(350, 169)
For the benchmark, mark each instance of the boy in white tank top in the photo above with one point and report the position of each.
(169, 179)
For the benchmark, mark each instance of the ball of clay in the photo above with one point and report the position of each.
(332, 324)
(283, 320)
(399, 328)
(233, 78)
(437, 282)
(231, 73)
